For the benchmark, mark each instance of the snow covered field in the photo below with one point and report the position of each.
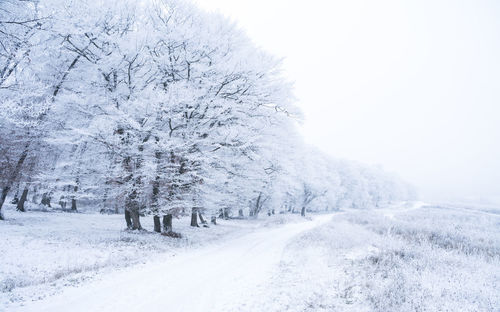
(425, 258)
(429, 258)
(43, 253)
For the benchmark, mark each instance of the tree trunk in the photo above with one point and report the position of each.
(13, 177)
(240, 213)
(226, 213)
(303, 211)
(73, 200)
(258, 206)
(5, 191)
(167, 223)
(62, 203)
(156, 189)
(203, 221)
(214, 220)
(34, 199)
(157, 225)
(22, 200)
(136, 220)
(15, 200)
(194, 217)
(128, 219)
(46, 199)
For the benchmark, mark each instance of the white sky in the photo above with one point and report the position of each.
(411, 85)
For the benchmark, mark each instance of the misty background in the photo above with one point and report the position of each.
(412, 86)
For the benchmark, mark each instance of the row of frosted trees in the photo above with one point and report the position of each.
(153, 107)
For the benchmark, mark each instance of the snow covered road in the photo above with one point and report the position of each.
(219, 277)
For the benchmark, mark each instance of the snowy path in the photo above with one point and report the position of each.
(220, 277)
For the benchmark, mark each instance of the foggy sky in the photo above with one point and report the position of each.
(411, 85)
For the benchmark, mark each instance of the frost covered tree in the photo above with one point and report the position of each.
(157, 108)
(34, 71)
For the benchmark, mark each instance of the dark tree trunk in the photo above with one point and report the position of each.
(226, 213)
(255, 210)
(13, 177)
(132, 206)
(240, 213)
(73, 200)
(46, 199)
(167, 223)
(194, 217)
(15, 200)
(5, 191)
(128, 219)
(203, 221)
(156, 189)
(136, 221)
(157, 224)
(213, 219)
(303, 211)
(22, 200)
(34, 199)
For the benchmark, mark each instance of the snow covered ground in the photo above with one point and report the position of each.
(44, 253)
(424, 258)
